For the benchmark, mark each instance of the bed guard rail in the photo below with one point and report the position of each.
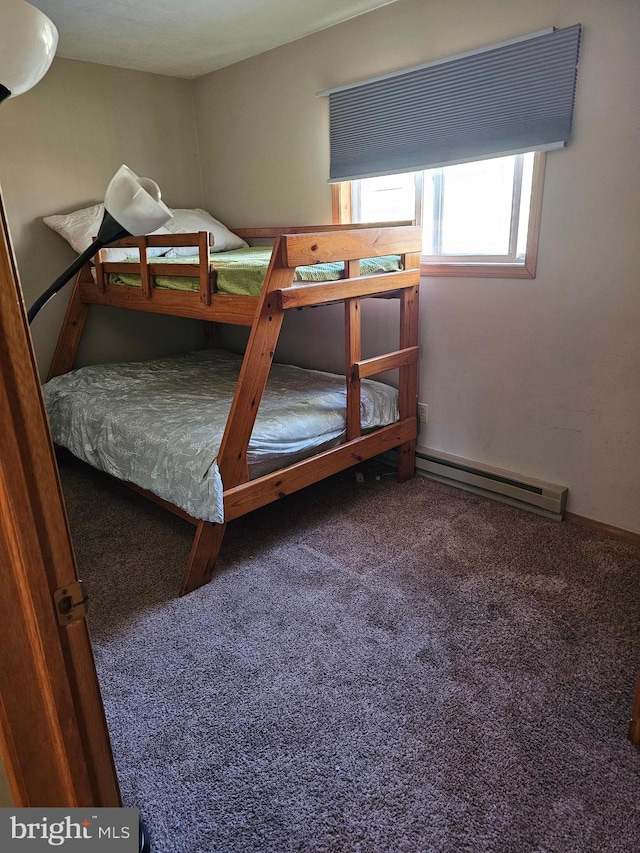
(302, 249)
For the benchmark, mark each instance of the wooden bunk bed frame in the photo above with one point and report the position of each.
(292, 247)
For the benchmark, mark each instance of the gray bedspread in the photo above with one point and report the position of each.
(159, 423)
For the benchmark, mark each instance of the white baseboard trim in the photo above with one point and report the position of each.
(518, 490)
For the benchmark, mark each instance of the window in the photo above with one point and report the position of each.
(479, 219)
(450, 144)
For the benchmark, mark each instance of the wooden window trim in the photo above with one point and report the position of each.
(341, 203)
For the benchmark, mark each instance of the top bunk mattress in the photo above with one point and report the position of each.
(241, 272)
(159, 424)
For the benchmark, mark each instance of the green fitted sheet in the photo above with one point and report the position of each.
(242, 272)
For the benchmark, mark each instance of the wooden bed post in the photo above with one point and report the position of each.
(70, 334)
(408, 396)
(353, 354)
(254, 373)
(211, 334)
(204, 553)
(232, 457)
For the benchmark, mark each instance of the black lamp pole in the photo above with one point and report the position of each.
(110, 230)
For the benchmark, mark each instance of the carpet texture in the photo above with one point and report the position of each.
(376, 668)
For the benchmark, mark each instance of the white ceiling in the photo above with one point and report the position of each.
(188, 38)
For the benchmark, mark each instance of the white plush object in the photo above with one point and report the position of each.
(189, 221)
(81, 227)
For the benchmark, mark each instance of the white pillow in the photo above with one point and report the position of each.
(189, 221)
(80, 227)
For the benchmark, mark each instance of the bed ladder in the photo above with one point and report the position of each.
(405, 359)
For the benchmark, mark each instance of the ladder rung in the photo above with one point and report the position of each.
(389, 361)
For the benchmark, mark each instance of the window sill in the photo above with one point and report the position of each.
(463, 270)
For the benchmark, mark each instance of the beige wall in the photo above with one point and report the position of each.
(59, 146)
(540, 377)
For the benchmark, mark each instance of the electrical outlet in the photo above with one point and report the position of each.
(423, 411)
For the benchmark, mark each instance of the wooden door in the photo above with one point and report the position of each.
(53, 736)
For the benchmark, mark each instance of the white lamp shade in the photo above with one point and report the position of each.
(135, 202)
(28, 42)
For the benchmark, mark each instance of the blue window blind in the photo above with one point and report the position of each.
(509, 98)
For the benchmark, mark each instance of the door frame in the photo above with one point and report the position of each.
(54, 741)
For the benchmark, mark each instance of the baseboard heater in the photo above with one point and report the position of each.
(524, 492)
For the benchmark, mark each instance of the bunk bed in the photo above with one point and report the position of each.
(303, 267)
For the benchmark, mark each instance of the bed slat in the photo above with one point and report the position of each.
(203, 257)
(256, 493)
(156, 267)
(300, 250)
(236, 310)
(389, 361)
(301, 294)
(262, 233)
(145, 274)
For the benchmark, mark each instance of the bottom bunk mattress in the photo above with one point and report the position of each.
(159, 424)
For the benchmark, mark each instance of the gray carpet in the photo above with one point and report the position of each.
(377, 668)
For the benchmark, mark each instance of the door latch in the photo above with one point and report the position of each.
(71, 602)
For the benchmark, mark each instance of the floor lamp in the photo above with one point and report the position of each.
(28, 42)
(132, 206)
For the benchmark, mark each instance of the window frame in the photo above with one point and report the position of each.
(341, 198)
